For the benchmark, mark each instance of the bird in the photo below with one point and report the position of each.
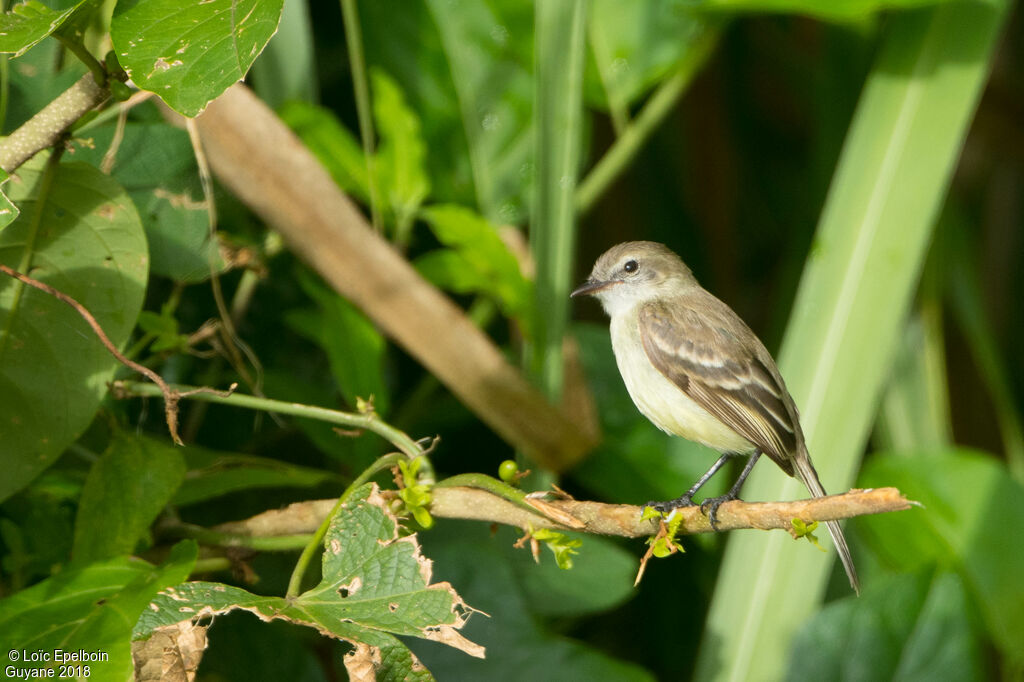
(696, 370)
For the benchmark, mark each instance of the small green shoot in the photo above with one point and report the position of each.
(415, 495)
(806, 530)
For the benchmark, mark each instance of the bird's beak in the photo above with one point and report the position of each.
(590, 287)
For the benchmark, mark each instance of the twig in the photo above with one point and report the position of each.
(43, 129)
(599, 518)
(170, 396)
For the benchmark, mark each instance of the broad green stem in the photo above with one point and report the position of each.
(313, 545)
(354, 39)
(636, 134)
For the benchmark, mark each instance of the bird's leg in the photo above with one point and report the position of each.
(686, 499)
(710, 505)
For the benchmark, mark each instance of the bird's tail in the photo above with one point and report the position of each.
(806, 473)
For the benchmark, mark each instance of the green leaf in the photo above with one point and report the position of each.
(634, 44)
(90, 245)
(908, 627)
(125, 491)
(861, 274)
(8, 211)
(29, 22)
(213, 474)
(189, 53)
(155, 162)
(399, 163)
(834, 10)
(505, 583)
(969, 532)
(477, 260)
(332, 143)
(558, 118)
(374, 582)
(486, 45)
(92, 608)
(354, 347)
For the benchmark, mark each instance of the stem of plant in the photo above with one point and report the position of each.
(311, 548)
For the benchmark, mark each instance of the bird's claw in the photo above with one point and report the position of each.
(668, 505)
(709, 508)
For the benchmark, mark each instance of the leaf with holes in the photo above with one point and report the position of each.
(189, 53)
(375, 582)
(84, 238)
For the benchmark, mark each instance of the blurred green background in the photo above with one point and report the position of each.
(847, 175)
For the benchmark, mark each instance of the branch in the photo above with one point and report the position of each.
(622, 520)
(43, 129)
(255, 155)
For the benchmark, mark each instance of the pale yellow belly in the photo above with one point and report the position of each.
(662, 401)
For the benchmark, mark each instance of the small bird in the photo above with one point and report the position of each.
(696, 370)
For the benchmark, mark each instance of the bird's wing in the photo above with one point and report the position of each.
(706, 357)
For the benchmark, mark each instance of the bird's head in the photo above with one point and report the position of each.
(632, 273)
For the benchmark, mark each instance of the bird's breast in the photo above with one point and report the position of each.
(660, 400)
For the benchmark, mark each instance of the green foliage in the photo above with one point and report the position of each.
(125, 490)
(967, 533)
(155, 163)
(485, 113)
(30, 22)
(91, 608)
(79, 232)
(915, 626)
(189, 54)
(375, 582)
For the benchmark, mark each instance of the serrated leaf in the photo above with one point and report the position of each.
(125, 490)
(29, 22)
(92, 608)
(374, 583)
(483, 263)
(189, 53)
(53, 370)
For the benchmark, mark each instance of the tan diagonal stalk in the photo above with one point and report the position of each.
(267, 167)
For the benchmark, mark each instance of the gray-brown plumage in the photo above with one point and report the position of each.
(696, 370)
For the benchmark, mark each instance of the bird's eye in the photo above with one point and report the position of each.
(630, 266)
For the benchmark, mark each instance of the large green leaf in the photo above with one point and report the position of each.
(189, 53)
(972, 532)
(92, 608)
(125, 491)
(908, 627)
(374, 583)
(89, 244)
(155, 162)
(860, 276)
(29, 22)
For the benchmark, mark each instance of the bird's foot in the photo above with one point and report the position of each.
(669, 505)
(709, 507)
